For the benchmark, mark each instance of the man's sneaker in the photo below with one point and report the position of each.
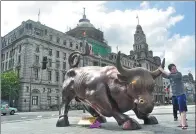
(175, 119)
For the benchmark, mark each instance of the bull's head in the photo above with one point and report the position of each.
(141, 84)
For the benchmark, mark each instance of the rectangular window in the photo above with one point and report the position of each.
(64, 65)
(50, 37)
(18, 72)
(46, 32)
(36, 73)
(6, 66)
(3, 57)
(71, 45)
(36, 59)
(49, 100)
(57, 64)
(19, 59)
(49, 75)
(50, 52)
(10, 54)
(76, 46)
(64, 42)
(12, 62)
(34, 100)
(19, 48)
(63, 76)
(37, 49)
(57, 76)
(2, 67)
(50, 62)
(9, 64)
(57, 39)
(49, 90)
(7, 55)
(64, 56)
(57, 99)
(57, 54)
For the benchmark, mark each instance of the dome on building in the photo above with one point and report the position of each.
(84, 22)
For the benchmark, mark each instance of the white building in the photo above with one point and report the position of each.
(166, 85)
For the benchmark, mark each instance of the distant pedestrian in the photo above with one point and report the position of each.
(177, 87)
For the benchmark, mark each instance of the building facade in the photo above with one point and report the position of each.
(189, 85)
(168, 92)
(23, 50)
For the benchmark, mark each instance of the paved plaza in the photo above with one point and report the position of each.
(45, 123)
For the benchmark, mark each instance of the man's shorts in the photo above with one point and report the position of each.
(182, 102)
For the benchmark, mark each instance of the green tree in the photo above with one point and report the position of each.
(10, 85)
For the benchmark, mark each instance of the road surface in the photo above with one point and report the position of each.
(45, 123)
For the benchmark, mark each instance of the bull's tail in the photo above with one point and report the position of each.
(72, 57)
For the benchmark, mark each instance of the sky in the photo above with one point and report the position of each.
(169, 26)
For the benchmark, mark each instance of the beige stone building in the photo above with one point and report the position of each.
(24, 47)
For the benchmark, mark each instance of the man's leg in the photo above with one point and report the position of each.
(175, 105)
(182, 109)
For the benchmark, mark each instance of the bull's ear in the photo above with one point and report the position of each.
(122, 78)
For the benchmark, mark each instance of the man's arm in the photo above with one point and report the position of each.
(164, 73)
(165, 76)
(176, 75)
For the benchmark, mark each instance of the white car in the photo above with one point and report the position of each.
(5, 109)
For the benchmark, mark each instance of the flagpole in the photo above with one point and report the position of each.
(137, 19)
(39, 15)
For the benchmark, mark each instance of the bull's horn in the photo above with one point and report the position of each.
(157, 72)
(123, 71)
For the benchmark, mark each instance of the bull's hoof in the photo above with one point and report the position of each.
(151, 120)
(131, 124)
(101, 119)
(62, 122)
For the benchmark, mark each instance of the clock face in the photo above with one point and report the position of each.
(138, 39)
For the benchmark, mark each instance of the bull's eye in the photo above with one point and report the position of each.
(141, 101)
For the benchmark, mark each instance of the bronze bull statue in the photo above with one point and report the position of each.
(110, 91)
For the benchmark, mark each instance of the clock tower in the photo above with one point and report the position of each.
(140, 40)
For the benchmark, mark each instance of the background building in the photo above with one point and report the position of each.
(167, 88)
(189, 85)
(24, 47)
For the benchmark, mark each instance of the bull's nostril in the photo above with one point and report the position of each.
(141, 101)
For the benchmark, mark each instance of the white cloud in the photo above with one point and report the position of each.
(118, 26)
(145, 4)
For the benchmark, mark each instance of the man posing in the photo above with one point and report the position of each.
(177, 87)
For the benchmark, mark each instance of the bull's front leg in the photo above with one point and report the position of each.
(67, 95)
(108, 107)
(148, 119)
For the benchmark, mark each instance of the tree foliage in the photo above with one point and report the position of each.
(10, 84)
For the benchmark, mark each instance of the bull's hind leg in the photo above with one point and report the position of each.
(67, 95)
(100, 118)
